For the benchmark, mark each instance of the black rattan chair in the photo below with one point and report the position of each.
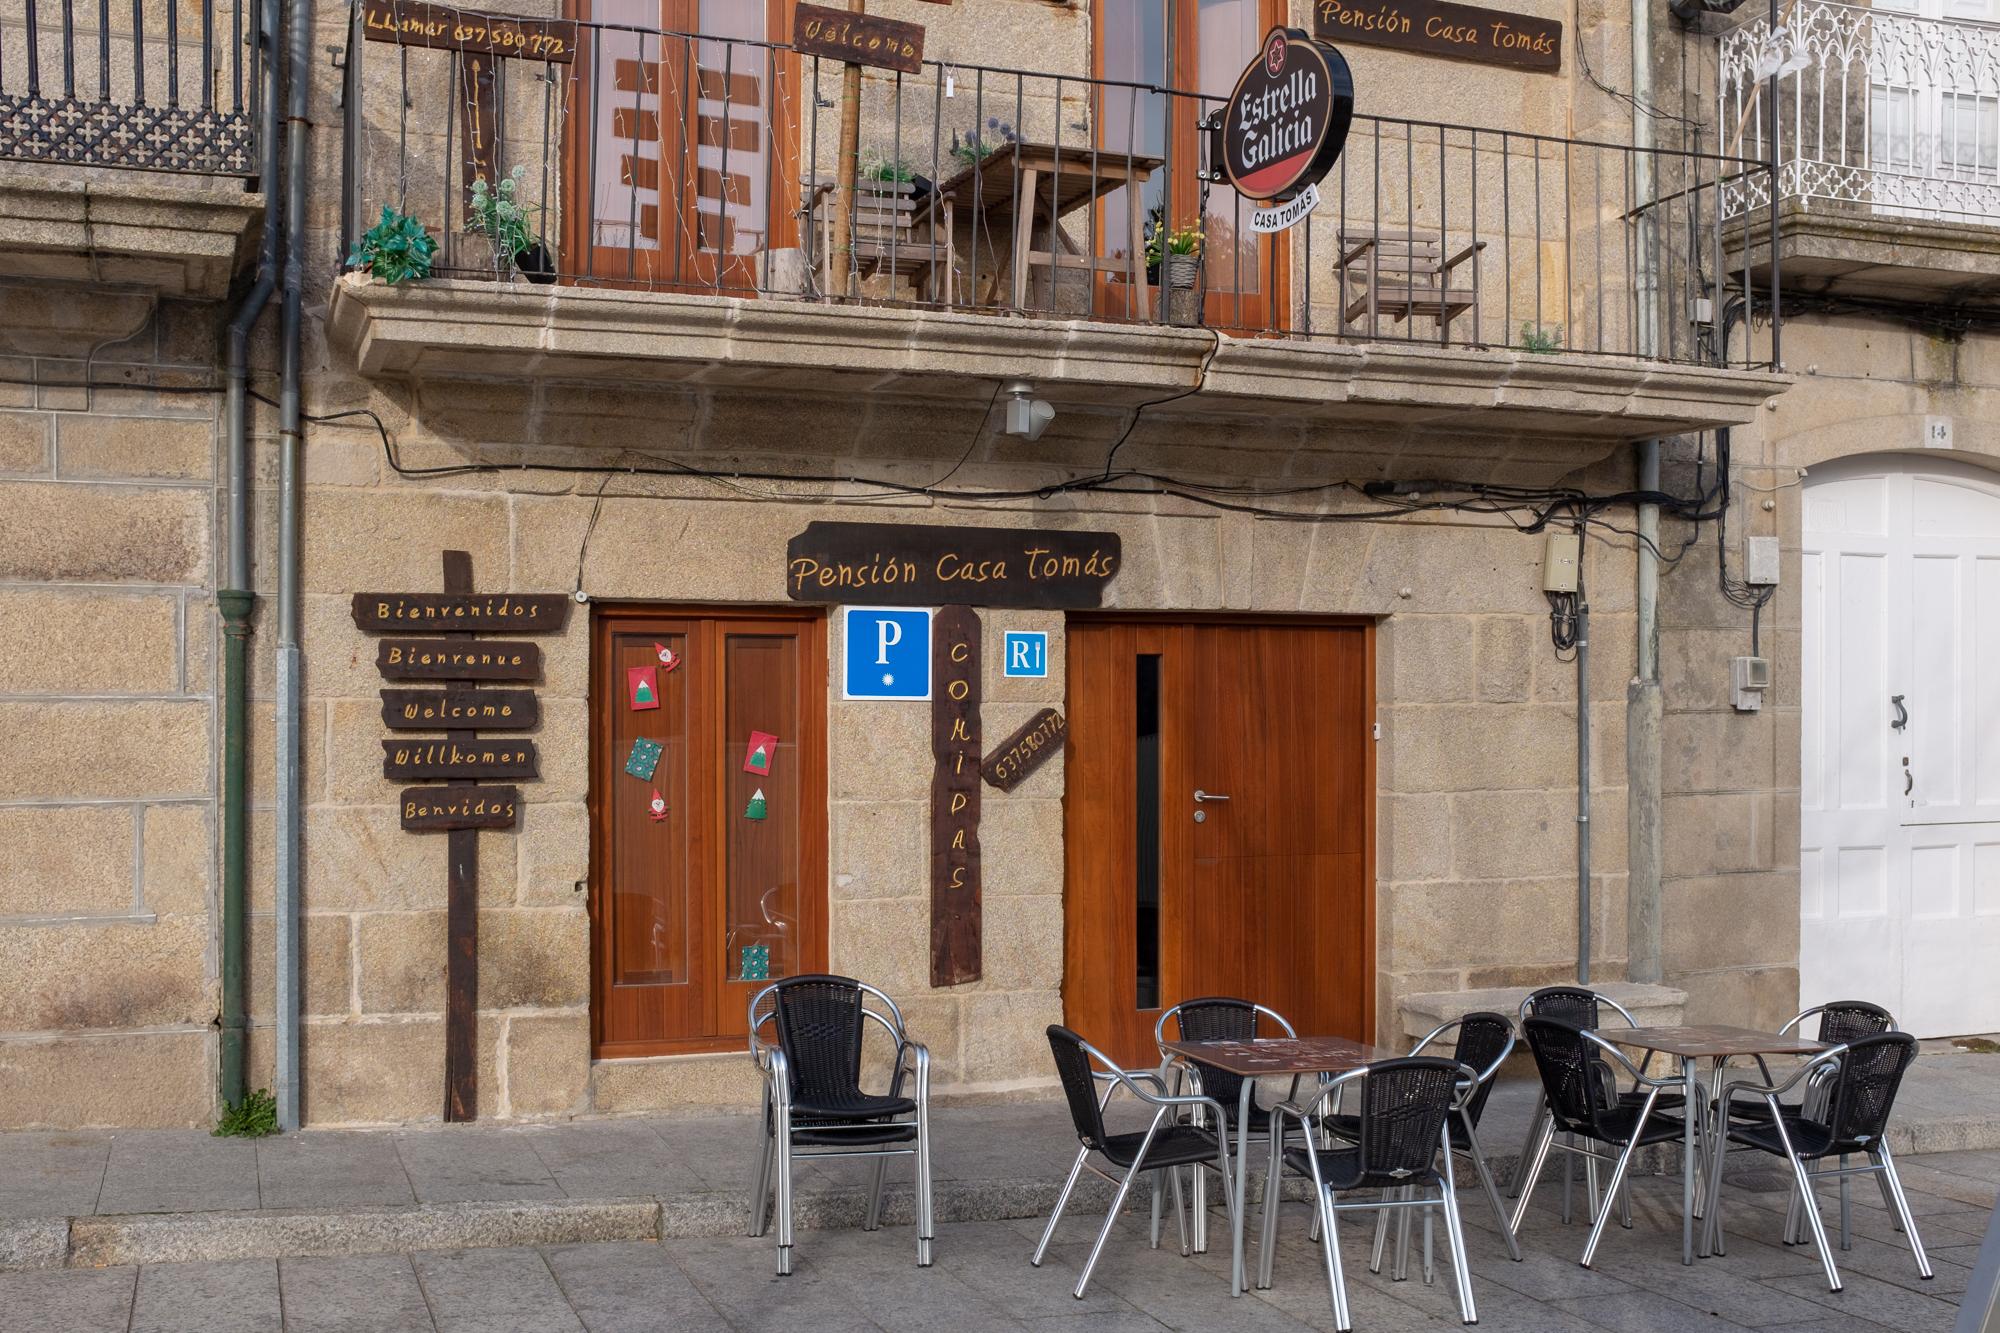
(1860, 1094)
(1166, 1144)
(814, 1105)
(1485, 1040)
(1579, 1086)
(1218, 1018)
(1399, 1143)
(1580, 1007)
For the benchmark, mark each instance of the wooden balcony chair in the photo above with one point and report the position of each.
(895, 233)
(1402, 277)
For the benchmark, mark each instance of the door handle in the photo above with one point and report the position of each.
(1902, 713)
(1200, 796)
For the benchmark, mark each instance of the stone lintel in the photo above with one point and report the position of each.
(180, 237)
(463, 330)
(1653, 1006)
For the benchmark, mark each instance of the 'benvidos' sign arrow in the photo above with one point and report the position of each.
(1286, 122)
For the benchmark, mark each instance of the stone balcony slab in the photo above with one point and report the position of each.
(1838, 249)
(180, 237)
(461, 330)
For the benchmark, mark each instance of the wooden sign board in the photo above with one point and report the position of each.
(1026, 750)
(955, 901)
(460, 710)
(917, 564)
(860, 39)
(445, 28)
(483, 613)
(1441, 28)
(450, 809)
(439, 659)
(413, 759)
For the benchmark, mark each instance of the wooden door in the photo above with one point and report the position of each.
(677, 896)
(1197, 48)
(681, 144)
(1263, 887)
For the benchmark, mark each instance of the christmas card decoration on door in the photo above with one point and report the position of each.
(755, 810)
(757, 756)
(657, 807)
(669, 659)
(645, 757)
(756, 964)
(644, 682)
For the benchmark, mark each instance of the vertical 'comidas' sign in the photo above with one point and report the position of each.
(1286, 121)
(955, 909)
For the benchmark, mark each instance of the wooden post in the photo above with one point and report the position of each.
(955, 889)
(840, 262)
(461, 1005)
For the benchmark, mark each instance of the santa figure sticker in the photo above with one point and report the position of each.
(1286, 122)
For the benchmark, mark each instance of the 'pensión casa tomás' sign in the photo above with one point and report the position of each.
(924, 564)
(1286, 121)
(1441, 28)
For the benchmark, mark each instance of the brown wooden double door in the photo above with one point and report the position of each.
(1219, 817)
(691, 902)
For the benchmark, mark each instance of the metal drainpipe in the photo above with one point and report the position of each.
(1582, 768)
(234, 599)
(290, 662)
(1642, 696)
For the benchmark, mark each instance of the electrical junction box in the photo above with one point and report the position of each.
(1559, 556)
(1760, 561)
(1749, 677)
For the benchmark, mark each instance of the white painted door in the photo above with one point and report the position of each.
(1899, 860)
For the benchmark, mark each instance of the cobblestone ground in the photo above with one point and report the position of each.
(849, 1280)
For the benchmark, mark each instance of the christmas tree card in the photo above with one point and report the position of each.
(757, 755)
(644, 682)
(755, 810)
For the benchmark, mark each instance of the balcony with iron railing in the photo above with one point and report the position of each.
(128, 141)
(1885, 129)
(679, 214)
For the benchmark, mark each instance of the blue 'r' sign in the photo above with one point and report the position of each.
(1024, 652)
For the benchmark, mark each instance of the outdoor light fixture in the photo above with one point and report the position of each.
(1027, 415)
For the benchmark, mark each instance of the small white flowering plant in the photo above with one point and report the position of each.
(502, 217)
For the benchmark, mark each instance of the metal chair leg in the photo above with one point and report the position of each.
(1569, 1175)
(1062, 1201)
(1454, 1231)
(1532, 1165)
(1846, 1207)
(1110, 1221)
(1903, 1213)
(873, 1222)
(1591, 1192)
(1180, 1208)
(1430, 1260)
(926, 1190)
(1484, 1171)
(1402, 1273)
(760, 1190)
(1329, 1241)
(1793, 1222)
(1811, 1207)
(1618, 1175)
(1711, 1222)
(1267, 1238)
(1888, 1199)
(1153, 1232)
(784, 1166)
(1381, 1232)
(1536, 1119)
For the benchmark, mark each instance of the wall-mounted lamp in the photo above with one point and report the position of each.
(1027, 415)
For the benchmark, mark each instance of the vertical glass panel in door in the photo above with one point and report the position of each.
(650, 917)
(1132, 42)
(1227, 35)
(1146, 824)
(761, 809)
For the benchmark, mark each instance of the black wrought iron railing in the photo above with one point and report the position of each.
(149, 85)
(653, 159)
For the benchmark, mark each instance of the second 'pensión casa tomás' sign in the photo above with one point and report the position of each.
(1286, 121)
(1441, 28)
(920, 564)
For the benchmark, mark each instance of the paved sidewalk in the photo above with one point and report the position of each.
(854, 1281)
(98, 1198)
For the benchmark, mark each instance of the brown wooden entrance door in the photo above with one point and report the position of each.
(1261, 886)
(678, 896)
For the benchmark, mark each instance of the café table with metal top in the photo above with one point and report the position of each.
(1717, 1043)
(1268, 1057)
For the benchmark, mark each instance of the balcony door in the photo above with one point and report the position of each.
(1218, 824)
(1197, 49)
(681, 143)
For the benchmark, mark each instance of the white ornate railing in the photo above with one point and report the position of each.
(1886, 110)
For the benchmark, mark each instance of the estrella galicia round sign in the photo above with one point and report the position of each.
(1286, 122)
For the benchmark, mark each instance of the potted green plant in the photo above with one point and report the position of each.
(1175, 256)
(499, 214)
(396, 249)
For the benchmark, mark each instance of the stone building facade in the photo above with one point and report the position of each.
(509, 418)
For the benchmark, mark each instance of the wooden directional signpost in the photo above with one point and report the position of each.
(461, 710)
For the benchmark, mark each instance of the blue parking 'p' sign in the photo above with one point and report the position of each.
(1024, 652)
(886, 652)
